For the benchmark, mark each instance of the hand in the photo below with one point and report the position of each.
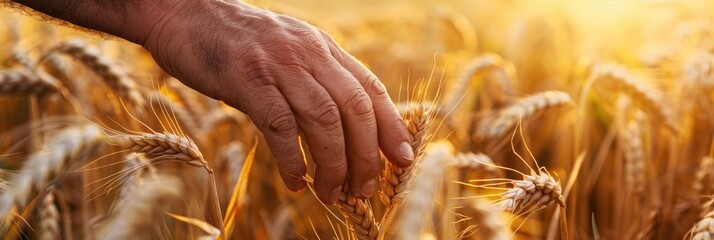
(291, 79)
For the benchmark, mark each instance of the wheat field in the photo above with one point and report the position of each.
(530, 120)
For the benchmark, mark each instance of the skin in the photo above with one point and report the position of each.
(290, 77)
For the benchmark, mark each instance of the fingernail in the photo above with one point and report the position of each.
(300, 184)
(335, 195)
(406, 151)
(368, 188)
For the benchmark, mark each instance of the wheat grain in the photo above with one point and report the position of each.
(501, 122)
(704, 174)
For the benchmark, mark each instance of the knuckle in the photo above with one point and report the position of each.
(280, 121)
(369, 160)
(334, 167)
(374, 86)
(325, 113)
(358, 102)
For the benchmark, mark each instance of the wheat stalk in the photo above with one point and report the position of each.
(144, 210)
(498, 124)
(112, 73)
(66, 148)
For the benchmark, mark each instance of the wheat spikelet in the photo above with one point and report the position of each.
(67, 147)
(144, 210)
(498, 124)
(535, 191)
(645, 96)
(358, 214)
(114, 75)
(49, 218)
(420, 201)
(160, 147)
(24, 82)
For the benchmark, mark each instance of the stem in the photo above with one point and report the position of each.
(217, 205)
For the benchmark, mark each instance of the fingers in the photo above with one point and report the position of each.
(358, 122)
(319, 119)
(275, 120)
(394, 139)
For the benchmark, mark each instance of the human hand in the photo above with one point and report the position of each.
(291, 79)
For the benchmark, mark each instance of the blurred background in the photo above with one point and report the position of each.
(478, 57)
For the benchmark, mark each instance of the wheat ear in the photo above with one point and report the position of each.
(25, 82)
(535, 191)
(64, 149)
(396, 181)
(631, 142)
(159, 147)
(478, 66)
(49, 218)
(473, 161)
(112, 73)
(359, 215)
(504, 120)
(144, 210)
(645, 96)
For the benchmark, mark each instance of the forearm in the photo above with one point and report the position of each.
(129, 19)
